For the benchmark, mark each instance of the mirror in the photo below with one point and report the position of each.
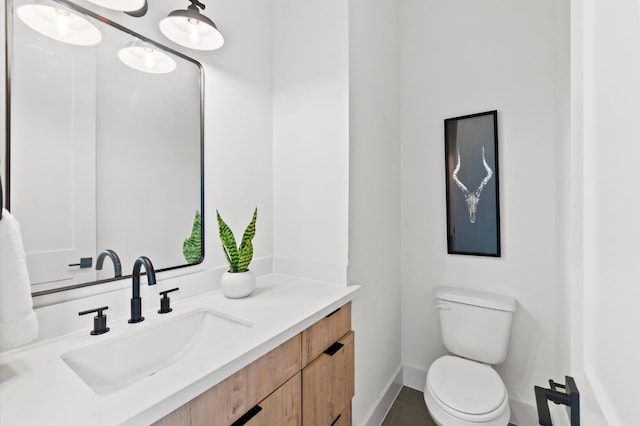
(106, 145)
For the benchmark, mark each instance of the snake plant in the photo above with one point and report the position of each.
(192, 246)
(239, 258)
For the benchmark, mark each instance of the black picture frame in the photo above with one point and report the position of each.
(472, 184)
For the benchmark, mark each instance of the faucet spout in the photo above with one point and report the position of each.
(136, 300)
(117, 266)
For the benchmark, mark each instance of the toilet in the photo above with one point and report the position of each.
(462, 388)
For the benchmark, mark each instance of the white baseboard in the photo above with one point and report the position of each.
(523, 414)
(414, 377)
(383, 404)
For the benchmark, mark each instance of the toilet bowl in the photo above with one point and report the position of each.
(461, 392)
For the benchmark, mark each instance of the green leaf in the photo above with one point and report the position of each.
(228, 244)
(192, 246)
(246, 247)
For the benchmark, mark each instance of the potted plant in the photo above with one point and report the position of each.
(238, 281)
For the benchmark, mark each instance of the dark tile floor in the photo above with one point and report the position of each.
(408, 409)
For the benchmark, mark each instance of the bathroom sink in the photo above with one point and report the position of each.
(117, 363)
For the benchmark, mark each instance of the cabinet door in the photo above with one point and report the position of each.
(282, 408)
(327, 384)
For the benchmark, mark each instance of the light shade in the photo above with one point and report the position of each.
(189, 28)
(122, 5)
(144, 57)
(59, 24)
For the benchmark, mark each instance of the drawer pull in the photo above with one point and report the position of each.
(328, 315)
(247, 416)
(336, 420)
(331, 350)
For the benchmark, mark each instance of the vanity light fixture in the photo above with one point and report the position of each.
(59, 24)
(190, 28)
(135, 8)
(144, 57)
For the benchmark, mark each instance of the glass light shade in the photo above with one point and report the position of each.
(122, 5)
(59, 24)
(145, 58)
(191, 29)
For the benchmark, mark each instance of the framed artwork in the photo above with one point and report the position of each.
(473, 205)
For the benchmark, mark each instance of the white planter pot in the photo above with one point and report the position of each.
(237, 284)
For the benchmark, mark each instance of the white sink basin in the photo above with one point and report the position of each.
(116, 363)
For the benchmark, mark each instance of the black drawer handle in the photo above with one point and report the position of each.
(336, 420)
(334, 312)
(331, 350)
(85, 262)
(247, 416)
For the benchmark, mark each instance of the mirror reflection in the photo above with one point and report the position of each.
(105, 146)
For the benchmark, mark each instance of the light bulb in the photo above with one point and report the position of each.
(143, 57)
(194, 35)
(62, 27)
(148, 59)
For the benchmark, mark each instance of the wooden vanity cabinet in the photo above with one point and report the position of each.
(328, 377)
(308, 380)
(281, 408)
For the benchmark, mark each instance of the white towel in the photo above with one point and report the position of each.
(18, 322)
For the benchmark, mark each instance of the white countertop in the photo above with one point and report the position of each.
(37, 387)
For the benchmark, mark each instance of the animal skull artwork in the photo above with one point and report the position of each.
(472, 198)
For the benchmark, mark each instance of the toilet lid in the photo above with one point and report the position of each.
(466, 386)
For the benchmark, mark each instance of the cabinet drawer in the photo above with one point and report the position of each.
(179, 417)
(328, 384)
(282, 408)
(344, 419)
(227, 401)
(322, 334)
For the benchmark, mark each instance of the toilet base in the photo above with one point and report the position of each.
(442, 418)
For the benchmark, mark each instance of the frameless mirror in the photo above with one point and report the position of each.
(105, 140)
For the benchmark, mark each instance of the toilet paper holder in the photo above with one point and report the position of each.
(566, 394)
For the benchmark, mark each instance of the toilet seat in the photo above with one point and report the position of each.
(467, 390)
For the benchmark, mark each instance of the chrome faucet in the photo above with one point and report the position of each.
(136, 300)
(117, 266)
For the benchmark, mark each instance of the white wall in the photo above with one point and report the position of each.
(460, 57)
(238, 126)
(3, 135)
(374, 203)
(311, 138)
(605, 320)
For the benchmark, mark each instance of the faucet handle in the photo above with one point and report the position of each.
(165, 302)
(99, 321)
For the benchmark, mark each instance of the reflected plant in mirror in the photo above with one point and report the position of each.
(105, 145)
(192, 246)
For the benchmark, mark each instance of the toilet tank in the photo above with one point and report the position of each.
(475, 324)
